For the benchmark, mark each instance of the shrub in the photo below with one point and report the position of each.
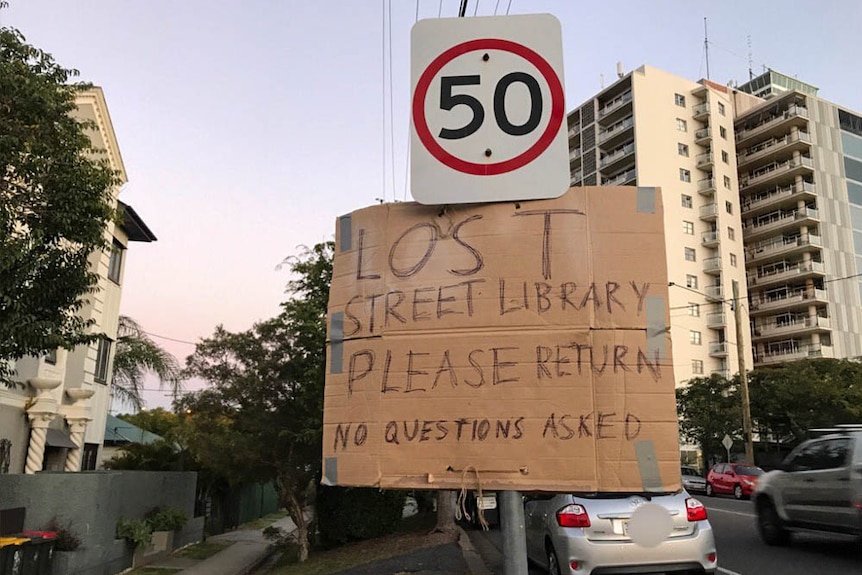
(166, 518)
(354, 513)
(136, 532)
(67, 540)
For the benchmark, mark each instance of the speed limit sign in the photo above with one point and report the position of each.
(488, 110)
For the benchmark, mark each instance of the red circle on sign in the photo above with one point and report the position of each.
(519, 161)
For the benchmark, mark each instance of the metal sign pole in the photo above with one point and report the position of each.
(514, 533)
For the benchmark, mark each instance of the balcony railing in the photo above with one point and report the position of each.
(701, 109)
(575, 154)
(794, 352)
(775, 169)
(775, 194)
(707, 238)
(773, 274)
(779, 218)
(705, 159)
(718, 348)
(620, 100)
(723, 372)
(712, 264)
(574, 130)
(784, 327)
(717, 319)
(708, 210)
(706, 185)
(703, 133)
(620, 178)
(791, 112)
(780, 299)
(615, 129)
(577, 176)
(617, 154)
(714, 292)
(755, 150)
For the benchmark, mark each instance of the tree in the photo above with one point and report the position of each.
(262, 417)
(55, 203)
(135, 355)
(709, 408)
(159, 421)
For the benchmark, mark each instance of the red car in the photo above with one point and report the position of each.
(738, 479)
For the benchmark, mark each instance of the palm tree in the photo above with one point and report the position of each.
(135, 355)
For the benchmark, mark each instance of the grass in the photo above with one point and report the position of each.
(264, 521)
(201, 551)
(412, 534)
(155, 571)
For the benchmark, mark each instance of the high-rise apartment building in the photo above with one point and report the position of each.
(651, 128)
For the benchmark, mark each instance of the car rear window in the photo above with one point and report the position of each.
(746, 470)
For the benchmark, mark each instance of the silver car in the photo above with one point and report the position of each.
(692, 481)
(588, 533)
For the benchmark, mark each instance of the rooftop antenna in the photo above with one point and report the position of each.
(750, 66)
(706, 46)
(620, 70)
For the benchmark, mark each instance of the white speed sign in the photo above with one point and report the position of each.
(488, 110)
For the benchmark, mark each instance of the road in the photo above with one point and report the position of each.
(740, 550)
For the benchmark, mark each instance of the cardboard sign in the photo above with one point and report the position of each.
(523, 344)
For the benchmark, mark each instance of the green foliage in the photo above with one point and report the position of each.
(166, 518)
(709, 408)
(136, 354)
(157, 456)
(55, 204)
(355, 513)
(136, 532)
(160, 421)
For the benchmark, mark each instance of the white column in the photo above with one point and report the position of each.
(77, 427)
(39, 422)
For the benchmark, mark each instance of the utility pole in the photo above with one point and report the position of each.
(706, 47)
(463, 9)
(743, 377)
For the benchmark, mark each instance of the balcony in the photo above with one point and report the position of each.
(574, 130)
(723, 372)
(627, 177)
(577, 176)
(706, 186)
(703, 135)
(575, 154)
(773, 126)
(780, 195)
(777, 171)
(613, 133)
(710, 239)
(788, 299)
(768, 275)
(701, 111)
(782, 247)
(793, 352)
(608, 160)
(718, 348)
(705, 161)
(708, 212)
(784, 326)
(770, 149)
(714, 293)
(716, 320)
(773, 222)
(618, 103)
(712, 265)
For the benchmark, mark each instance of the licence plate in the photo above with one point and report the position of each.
(486, 502)
(621, 527)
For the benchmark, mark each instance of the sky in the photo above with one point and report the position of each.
(247, 128)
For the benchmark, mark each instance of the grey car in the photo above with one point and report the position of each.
(818, 486)
(692, 481)
(588, 533)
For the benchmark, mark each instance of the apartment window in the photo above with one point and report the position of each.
(725, 157)
(51, 357)
(722, 132)
(697, 366)
(729, 207)
(727, 182)
(682, 149)
(102, 356)
(733, 260)
(116, 263)
(679, 100)
(694, 309)
(721, 108)
(684, 175)
(681, 125)
(686, 201)
(694, 337)
(691, 281)
(688, 228)
(731, 233)
(690, 255)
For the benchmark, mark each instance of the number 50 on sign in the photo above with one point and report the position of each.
(488, 110)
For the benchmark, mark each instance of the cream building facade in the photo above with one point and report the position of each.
(56, 419)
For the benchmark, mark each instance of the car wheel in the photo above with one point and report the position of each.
(553, 564)
(737, 491)
(769, 524)
(709, 491)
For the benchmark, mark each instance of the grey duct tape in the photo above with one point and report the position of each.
(656, 329)
(330, 471)
(648, 466)
(345, 233)
(646, 200)
(336, 345)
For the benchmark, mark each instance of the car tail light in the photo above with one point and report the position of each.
(573, 516)
(710, 557)
(575, 565)
(695, 509)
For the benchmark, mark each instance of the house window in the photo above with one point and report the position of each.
(686, 201)
(721, 108)
(681, 125)
(682, 149)
(679, 100)
(115, 265)
(694, 337)
(688, 228)
(731, 233)
(102, 356)
(684, 175)
(722, 132)
(691, 281)
(733, 260)
(694, 309)
(51, 357)
(697, 366)
(690, 255)
(725, 157)
(727, 182)
(729, 207)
